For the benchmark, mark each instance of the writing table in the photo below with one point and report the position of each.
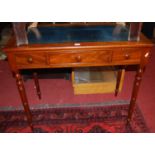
(77, 46)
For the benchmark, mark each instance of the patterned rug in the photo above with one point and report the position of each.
(92, 119)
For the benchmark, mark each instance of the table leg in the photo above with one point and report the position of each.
(119, 75)
(37, 86)
(137, 82)
(23, 97)
(135, 90)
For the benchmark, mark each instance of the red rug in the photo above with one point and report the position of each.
(92, 119)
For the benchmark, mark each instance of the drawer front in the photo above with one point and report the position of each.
(80, 57)
(127, 56)
(30, 60)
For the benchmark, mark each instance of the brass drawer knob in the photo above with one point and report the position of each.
(78, 58)
(127, 56)
(29, 59)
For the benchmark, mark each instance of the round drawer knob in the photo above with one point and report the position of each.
(78, 58)
(29, 60)
(127, 56)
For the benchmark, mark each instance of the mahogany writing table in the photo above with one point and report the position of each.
(78, 46)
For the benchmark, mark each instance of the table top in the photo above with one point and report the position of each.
(63, 37)
(43, 35)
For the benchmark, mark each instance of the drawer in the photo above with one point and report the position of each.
(127, 55)
(29, 59)
(80, 57)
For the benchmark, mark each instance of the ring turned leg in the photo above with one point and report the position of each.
(119, 75)
(37, 87)
(23, 97)
(137, 82)
(136, 86)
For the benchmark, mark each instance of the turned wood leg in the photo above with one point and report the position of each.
(135, 90)
(118, 81)
(37, 87)
(23, 97)
(137, 82)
